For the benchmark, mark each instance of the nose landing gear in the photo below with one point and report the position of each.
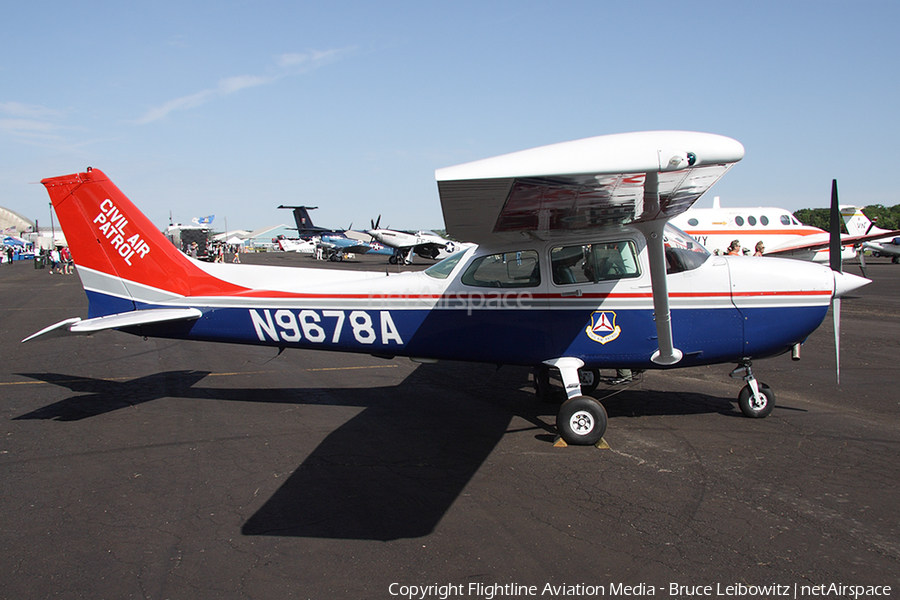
(756, 399)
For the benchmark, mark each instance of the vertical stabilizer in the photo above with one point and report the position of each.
(118, 250)
(303, 221)
(857, 223)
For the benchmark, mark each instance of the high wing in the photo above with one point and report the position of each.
(581, 185)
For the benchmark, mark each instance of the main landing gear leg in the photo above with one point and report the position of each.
(756, 399)
(581, 420)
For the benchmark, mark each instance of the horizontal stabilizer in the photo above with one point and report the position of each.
(127, 319)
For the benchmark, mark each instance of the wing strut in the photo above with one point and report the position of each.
(653, 231)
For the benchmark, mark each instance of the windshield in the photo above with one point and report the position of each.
(443, 269)
(683, 253)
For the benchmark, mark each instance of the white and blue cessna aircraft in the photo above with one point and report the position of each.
(575, 268)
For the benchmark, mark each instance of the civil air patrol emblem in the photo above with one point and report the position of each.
(603, 327)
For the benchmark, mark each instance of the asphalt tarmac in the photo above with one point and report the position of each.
(136, 468)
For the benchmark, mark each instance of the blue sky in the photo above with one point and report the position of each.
(232, 108)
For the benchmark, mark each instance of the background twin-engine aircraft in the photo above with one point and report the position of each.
(576, 269)
(780, 232)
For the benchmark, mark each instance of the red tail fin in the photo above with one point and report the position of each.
(107, 233)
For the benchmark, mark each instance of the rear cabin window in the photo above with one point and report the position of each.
(592, 263)
(506, 270)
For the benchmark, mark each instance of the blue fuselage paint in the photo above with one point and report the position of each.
(526, 337)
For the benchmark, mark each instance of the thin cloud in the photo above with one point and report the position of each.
(28, 111)
(313, 59)
(30, 123)
(286, 65)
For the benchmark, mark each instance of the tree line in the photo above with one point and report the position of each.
(883, 217)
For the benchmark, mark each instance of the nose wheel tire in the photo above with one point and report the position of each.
(756, 408)
(581, 421)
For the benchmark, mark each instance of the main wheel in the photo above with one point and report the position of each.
(581, 421)
(756, 409)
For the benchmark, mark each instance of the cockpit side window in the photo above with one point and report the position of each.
(506, 270)
(592, 263)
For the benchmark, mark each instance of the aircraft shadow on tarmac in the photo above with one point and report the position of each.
(101, 396)
(394, 469)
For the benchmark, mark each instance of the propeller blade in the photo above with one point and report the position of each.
(836, 312)
(834, 256)
(834, 259)
(860, 254)
(377, 222)
(834, 245)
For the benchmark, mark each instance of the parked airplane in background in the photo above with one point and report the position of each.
(577, 269)
(717, 227)
(336, 244)
(305, 227)
(859, 224)
(299, 245)
(337, 249)
(426, 244)
(781, 234)
(331, 248)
